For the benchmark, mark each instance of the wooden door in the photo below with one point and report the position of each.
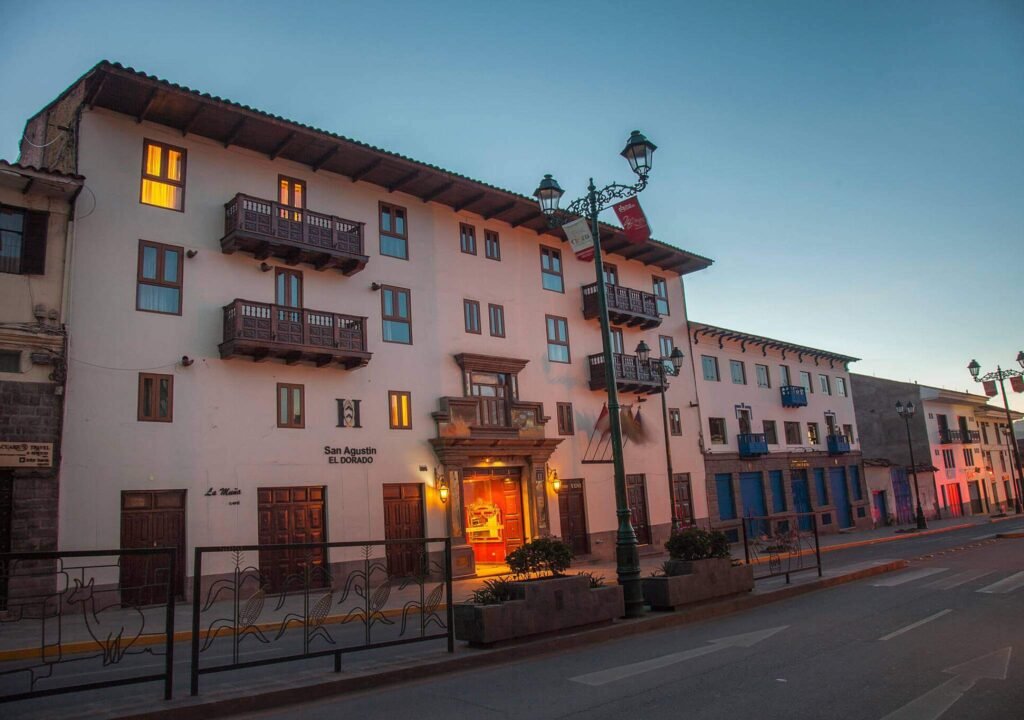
(975, 494)
(151, 518)
(684, 497)
(636, 498)
(403, 518)
(512, 495)
(289, 515)
(573, 515)
(953, 501)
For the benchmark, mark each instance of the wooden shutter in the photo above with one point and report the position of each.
(33, 249)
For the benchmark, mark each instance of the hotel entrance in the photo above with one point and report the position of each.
(493, 512)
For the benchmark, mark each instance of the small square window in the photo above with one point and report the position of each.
(399, 414)
(156, 398)
(10, 361)
(290, 403)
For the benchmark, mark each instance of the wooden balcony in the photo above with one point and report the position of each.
(265, 331)
(793, 395)
(269, 229)
(752, 444)
(626, 306)
(631, 375)
(838, 444)
(490, 417)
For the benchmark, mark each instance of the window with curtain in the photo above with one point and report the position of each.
(159, 281)
(558, 339)
(396, 312)
(394, 234)
(163, 175)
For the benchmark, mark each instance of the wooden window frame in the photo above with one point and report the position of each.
(493, 309)
(564, 414)
(718, 371)
(297, 210)
(550, 342)
(157, 282)
(293, 273)
(404, 237)
(774, 434)
(163, 178)
(155, 399)
(617, 341)
(656, 281)
(675, 421)
(661, 345)
(492, 240)
(302, 399)
(467, 238)
(471, 310)
(786, 425)
(396, 318)
(408, 404)
(711, 431)
(813, 433)
(610, 269)
(554, 252)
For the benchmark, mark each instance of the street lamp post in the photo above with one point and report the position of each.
(907, 412)
(638, 152)
(1001, 375)
(666, 366)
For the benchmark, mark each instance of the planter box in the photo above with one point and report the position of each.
(704, 580)
(541, 606)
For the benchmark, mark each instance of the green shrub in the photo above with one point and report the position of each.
(494, 592)
(697, 544)
(596, 581)
(541, 556)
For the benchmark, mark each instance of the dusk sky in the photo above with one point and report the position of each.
(854, 169)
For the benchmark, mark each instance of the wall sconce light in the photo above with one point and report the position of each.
(375, 286)
(441, 482)
(191, 253)
(266, 267)
(556, 483)
(186, 361)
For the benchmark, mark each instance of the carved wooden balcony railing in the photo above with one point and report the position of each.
(626, 306)
(263, 331)
(631, 375)
(266, 228)
(489, 417)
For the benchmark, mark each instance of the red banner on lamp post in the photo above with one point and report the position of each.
(1017, 383)
(990, 388)
(634, 222)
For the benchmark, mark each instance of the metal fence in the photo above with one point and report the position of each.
(265, 604)
(780, 545)
(66, 617)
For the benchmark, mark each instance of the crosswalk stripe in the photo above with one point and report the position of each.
(959, 579)
(1008, 584)
(908, 577)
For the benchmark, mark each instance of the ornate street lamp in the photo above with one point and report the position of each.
(907, 412)
(638, 152)
(670, 365)
(975, 369)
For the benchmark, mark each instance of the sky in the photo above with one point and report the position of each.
(854, 169)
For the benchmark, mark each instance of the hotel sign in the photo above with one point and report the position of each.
(349, 455)
(26, 455)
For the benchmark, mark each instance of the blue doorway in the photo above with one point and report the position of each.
(881, 512)
(901, 494)
(802, 498)
(840, 496)
(754, 505)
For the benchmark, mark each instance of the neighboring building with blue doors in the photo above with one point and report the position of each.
(778, 434)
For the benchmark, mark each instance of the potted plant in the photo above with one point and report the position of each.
(538, 597)
(700, 568)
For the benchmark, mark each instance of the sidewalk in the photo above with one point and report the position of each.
(237, 691)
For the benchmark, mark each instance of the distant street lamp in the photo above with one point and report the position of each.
(1001, 375)
(907, 412)
(670, 365)
(638, 153)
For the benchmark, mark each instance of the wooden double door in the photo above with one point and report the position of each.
(290, 515)
(572, 514)
(636, 498)
(403, 518)
(152, 518)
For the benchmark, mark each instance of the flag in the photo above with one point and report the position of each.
(604, 423)
(1017, 383)
(580, 239)
(634, 222)
(990, 388)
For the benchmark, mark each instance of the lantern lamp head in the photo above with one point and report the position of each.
(975, 368)
(643, 351)
(1020, 358)
(441, 482)
(677, 359)
(556, 483)
(639, 152)
(548, 193)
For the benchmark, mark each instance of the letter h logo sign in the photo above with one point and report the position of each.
(348, 413)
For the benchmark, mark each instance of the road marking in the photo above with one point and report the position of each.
(603, 677)
(984, 537)
(934, 703)
(958, 579)
(918, 624)
(908, 577)
(1005, 585)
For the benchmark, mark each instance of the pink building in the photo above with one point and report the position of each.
(279, 334)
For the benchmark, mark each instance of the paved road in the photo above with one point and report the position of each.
(944, 638)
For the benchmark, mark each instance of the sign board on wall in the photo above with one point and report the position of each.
(26, 455)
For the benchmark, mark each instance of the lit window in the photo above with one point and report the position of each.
(163, 175)
(398, 410)
(291, 192)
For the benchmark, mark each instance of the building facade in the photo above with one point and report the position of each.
(997, 471)
(283, 335)
(778, 432)
(34, 221)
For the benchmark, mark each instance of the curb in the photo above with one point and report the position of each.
(509, 653)
(1010, 535)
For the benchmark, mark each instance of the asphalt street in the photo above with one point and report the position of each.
(942, 639)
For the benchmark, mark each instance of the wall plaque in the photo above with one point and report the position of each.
(26, 455)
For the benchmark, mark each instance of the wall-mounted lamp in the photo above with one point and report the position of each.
(191, 253)
(441, 482)
(186, 361)
(266, 267)
(375, 286)
(556, 483)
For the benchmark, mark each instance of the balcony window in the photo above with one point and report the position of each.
(471, 315)
(615, 334)
(558, 339)
(718, 431)
(496, 316)
(551, 269)
(805, 382)
(291, 192)
(290, 401)
(159, 281)
(784, 377)
(394, 232)
(793, 433)
(399, 402)
(611, 274)
(163, 176)
(467, 239)
(762, 376)
(738, 372)
(492, 245)
(156, 398)
(396, 313)
(709, 364)
(660, 294)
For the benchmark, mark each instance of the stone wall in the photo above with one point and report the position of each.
(883, 434)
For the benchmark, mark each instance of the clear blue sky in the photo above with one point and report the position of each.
(856, 170)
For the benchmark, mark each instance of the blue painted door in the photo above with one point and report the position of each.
(840, 496)
(901, 495)
(881, 512)
(802, 498)
(754, 506)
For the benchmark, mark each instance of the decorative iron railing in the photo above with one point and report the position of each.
(69, 617)
(294, 225)
(780, 545)
(368, 595)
